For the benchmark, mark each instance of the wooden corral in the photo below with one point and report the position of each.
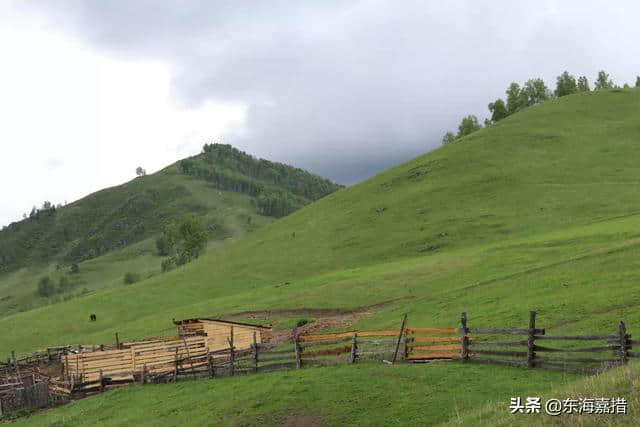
(218, 332)
(153, 356)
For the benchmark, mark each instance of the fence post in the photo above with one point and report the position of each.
(209, 365)
(255, 353)
(622, 329)
(531, 340)
(232, 354)
(404, 324)
(464, 348)
(142, 373)
(175, 368)
(296, 347)
(101, 382)
(117, 342)
(354, 347)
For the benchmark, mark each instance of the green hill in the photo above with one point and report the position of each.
(539, 211)
(111, 231)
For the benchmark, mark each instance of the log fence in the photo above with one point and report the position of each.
(95, 369)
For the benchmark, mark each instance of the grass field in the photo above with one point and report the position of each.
(363, 394)
(538, 212)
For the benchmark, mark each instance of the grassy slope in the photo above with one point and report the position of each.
(227, 209)
(537, 212)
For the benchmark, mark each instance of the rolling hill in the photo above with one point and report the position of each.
(112, 231)
(539, 211)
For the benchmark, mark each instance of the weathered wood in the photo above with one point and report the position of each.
(633, 353)
(288, 351)
(435, 355)
(276, 366)
(255, 353)
(232, 353)
(502, 353)
(330, 336)
(464, 331)
(271, 359)
(436, 347)
(117, 341)
(473, 344)
(577, 359)
(175, 369)
(531, 340)
(298, 350)
(577, 337)
(209, 365)
(329, 352)
(402, 326)
(375, 351)
(432, 330)
(510, 331)
(101, 382)
(577, 350)
(376, 342)
(143, 373)
(354, 348)
(318, 343)
(436, 339)
(622, 329)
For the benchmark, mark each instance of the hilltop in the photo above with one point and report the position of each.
(538, 211)
(234, 192)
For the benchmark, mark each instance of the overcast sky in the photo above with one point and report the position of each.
(91, 89)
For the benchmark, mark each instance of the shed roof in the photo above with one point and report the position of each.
(226, 322)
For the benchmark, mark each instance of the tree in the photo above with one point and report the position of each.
(583, 84)
(46, 288)
(468, 125)
(498, 110)
(565, 84)
(448, 138)
(534, 92)
(603, 81)
(140, 171)
(183, 241)
(514, 98)
(638, 81)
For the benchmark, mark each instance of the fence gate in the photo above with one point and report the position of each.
(424, 344)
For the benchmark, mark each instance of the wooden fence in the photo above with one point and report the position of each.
(89, 369)
(532, 347)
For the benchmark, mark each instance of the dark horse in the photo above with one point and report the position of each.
(92, 317)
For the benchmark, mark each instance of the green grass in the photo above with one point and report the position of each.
(538, 212)
(364, 394)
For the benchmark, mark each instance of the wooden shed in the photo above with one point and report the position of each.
(218, 332)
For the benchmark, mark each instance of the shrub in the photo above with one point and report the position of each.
(64, 284)
(168, 265)
(46, 288)
(74, 268)
(130, 278)
(302, 322)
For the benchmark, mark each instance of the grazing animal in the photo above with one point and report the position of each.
(92, 317)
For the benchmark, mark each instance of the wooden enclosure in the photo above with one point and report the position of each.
(218, 332)
(153, 356)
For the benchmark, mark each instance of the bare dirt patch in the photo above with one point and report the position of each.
(303, 420)
(325, 319)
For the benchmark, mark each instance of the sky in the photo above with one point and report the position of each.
(89, 90)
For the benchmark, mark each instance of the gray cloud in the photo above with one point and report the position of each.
(347, 89)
